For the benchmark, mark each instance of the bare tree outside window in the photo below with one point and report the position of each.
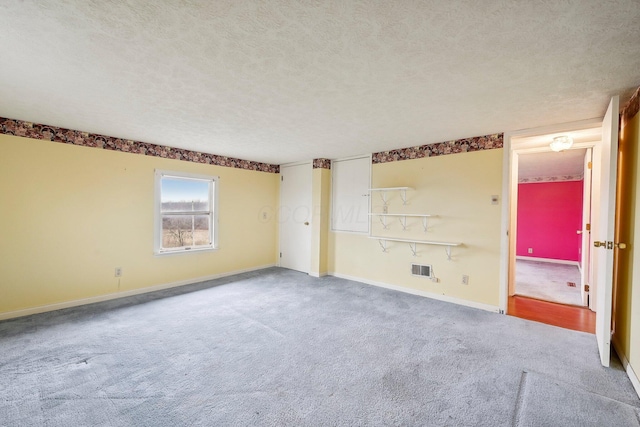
(186, 212)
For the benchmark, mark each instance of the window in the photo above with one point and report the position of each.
(350, 194)
(185, 212)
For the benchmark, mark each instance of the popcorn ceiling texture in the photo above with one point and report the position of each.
(284, 81)
(551, 166)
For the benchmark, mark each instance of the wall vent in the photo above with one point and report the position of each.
(421, 270)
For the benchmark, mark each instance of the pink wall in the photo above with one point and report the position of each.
(549, 213)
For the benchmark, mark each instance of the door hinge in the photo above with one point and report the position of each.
(280, 254)
(281, 178)
(589, 165)
(586, 288)
(588, 227)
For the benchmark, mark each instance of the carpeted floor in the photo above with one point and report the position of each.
(280, 348)
(548, 281)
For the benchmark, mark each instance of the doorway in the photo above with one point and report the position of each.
(549, 272)
(551, 193)
(602, 137)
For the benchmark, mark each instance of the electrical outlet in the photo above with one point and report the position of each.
(118, 272)
(465, 279)
(530, 250)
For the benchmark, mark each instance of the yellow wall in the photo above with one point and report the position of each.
(627, 302)
(70, 215)
(320, 221)
(458, 189)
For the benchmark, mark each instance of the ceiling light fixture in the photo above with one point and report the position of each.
(561, 143)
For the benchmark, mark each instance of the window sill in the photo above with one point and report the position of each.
(185, 251)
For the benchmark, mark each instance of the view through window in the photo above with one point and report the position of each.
(186, 212)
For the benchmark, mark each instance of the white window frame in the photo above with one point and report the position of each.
(212, 212)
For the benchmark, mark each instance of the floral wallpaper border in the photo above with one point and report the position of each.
(560, 178)
(85, 139)
(631, 108)
(322, 163)
(477, 143)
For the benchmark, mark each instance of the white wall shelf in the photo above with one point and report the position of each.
(403, 219)
(383, 193)
(413, 244)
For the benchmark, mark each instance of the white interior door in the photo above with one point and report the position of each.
(603, 229)
(586, 226)
(350, 182)
(295, 217)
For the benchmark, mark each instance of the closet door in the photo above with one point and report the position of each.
(350, 182)
(295, 217)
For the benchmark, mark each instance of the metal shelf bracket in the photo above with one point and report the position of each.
(447, 249)
(403, 222)
(403, 196)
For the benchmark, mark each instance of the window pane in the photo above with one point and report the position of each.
(185, 230)
(180, 195)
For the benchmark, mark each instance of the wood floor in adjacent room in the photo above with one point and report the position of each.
(565, 316)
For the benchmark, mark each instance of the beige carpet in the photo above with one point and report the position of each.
(548, 281)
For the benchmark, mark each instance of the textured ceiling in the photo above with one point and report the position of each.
(280, 81)
(551, 164)
(541, 162)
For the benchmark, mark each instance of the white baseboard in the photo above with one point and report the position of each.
(431, 295)
(316, 274)
(627, 367)
(549, 260)
(123, 294)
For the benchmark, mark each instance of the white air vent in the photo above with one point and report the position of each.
(421, 270)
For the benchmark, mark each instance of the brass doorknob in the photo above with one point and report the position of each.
(621, 245)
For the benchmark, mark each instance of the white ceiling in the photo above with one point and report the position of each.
(280, 81)
(536, 160)
(551, 164)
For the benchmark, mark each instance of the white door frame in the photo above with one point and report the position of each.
(509, 194)
(514, 205)
(585, 253)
